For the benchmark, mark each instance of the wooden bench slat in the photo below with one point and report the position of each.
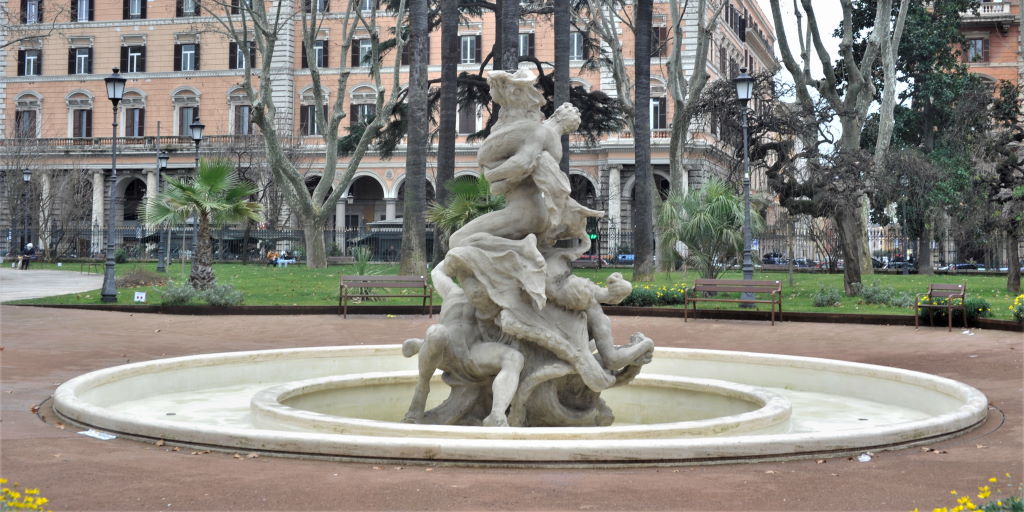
(943, 291)
(357, 283)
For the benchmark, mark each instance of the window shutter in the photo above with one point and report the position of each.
(252, 54)
(196, 8)
(142, 59)
(355, 53)
(39, 62)
(235, 7)
(39, 11)
(531, 49)
(196, 59)
(88, 123)
(179, 9)
(74, 10)
(24, 11)
(304, 59)
(177, 57)
(353, 112)
(92, 5)
(232, 55)
(479, 55)
(124, 58)
(984, 50)
(143, 11)
(21, 62)
(405, 55)
(304, 120)
(88, 61)
(72, 54)
(140, 130)
(126, 9)
(327, 59)
(662, 114)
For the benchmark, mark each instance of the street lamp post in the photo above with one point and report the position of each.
(196, 130)
(744, 91)
(161, 256)
(26, 237)
(115, 91)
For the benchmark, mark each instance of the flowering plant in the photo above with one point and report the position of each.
(1018, 308)
(26, 499)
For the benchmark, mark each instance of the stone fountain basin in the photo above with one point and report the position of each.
(772, 407)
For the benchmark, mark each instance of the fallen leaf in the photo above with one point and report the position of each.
(981, 446)
(238, 455)
(175, 449)
(59, 425)
(160, 442)
(252, 456)
(34, 409)
(376, 467)
(820, 461)
(769, 472)
(429, 469)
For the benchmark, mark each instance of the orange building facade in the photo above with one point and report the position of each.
(994, 41)
(54, 102)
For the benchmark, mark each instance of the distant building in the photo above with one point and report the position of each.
(55, 107)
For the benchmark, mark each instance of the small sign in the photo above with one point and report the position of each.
(140, 296)
(59, 264)
(754, 244)
(98, 435)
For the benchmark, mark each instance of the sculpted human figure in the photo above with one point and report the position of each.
(520, 160)
(457, 345)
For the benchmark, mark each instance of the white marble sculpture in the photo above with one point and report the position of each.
(522, 341)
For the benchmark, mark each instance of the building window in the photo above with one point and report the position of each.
(307, 119)
(134, 9)
(526, 41)
(186, 57)
(467, 119)
(81, 10)
(367, 5)
(362, 113)
(976, 50)
(133, 59)
(135, 122)
(659, 41)
(80, 61)
(186, 114)
(319, 54)
(31, 11)
(659, 114)
(243, 120)
(321, 5)
(25, 124)
(30, 62)
(236, 55)
(361, 51)
(470, 49)
(577, 46)
(187, 8)
(81, 123)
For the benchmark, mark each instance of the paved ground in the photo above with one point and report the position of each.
(44, 347)
(32, 284)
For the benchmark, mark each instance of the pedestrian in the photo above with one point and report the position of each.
(27, 255)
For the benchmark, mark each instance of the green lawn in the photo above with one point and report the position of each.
(301, 286)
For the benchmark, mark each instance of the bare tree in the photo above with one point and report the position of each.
(264, 26)
(20, 26)
(850, 95)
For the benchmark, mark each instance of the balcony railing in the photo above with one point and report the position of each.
(994, 9)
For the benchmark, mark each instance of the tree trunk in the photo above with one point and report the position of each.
(643, 235)
(413, 252)
(446, 126)
(316, 250)
(562, 69)
(850, 225)
(201, 276)
(1013, 255)
(924, 250)
(509, 21)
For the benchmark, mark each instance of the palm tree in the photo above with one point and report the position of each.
(413, 252)
(213, 197)
(709, 221)
(468, 199)
(643, 192)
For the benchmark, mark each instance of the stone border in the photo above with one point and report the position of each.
(716, 314)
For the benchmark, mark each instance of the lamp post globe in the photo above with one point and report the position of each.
(196, 130)
(26, 236)
(115, 91)
(744, 91)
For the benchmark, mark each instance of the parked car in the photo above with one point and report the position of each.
(804, 263)
(774, 258)
(956, 267)
(901, 266)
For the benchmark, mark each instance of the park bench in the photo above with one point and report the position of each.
(340, 260)
(950, 293)
(701, 287)
(395, 286)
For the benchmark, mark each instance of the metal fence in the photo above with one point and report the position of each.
(806, 247)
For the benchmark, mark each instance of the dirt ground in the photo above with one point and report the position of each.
(44, 347)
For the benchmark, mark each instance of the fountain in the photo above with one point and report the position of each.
(528, 354)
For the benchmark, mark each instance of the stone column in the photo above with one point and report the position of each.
(150, 183)
(98, 195)
(339, 224)
(614, 205)
(389, 208)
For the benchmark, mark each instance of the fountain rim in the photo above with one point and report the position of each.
(969, 414)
